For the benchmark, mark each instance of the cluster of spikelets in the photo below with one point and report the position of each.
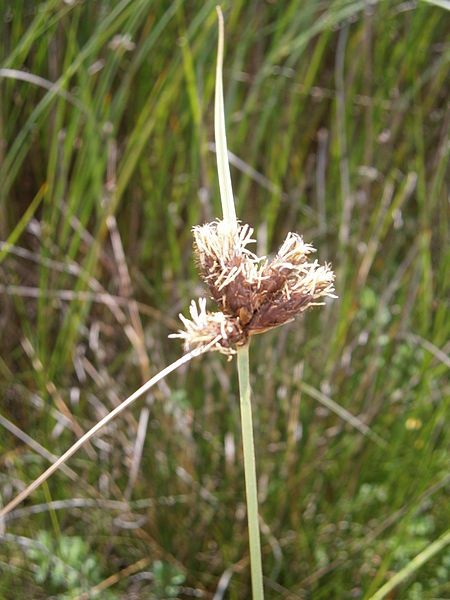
(254, 294)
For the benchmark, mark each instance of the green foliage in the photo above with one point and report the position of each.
(167, 580)
(337, 112)
(66, 566)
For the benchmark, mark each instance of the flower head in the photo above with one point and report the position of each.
(254, 293)
(222, 333)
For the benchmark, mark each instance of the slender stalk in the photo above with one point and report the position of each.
(229, 215)
(250, 472)
(412, 566)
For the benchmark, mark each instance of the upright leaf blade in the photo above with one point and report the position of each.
(223, 168)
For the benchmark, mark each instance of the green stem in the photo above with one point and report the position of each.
(412, 566)
(250, 472)
(229, 215)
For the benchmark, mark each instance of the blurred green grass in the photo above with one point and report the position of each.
(338, 119)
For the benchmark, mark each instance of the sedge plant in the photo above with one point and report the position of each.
(253, 295)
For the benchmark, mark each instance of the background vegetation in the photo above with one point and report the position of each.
(337, 118)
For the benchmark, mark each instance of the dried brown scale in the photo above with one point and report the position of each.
(238, 337)
(236, 295)
(274, 313)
